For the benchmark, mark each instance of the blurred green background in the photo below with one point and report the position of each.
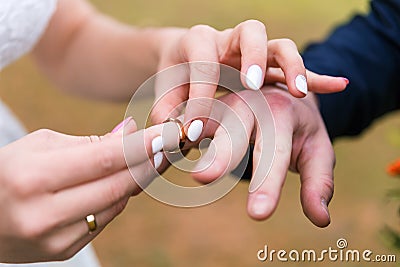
(149, 233)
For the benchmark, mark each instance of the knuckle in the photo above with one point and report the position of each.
(23, 183)
(55, 250)
(44, 133)
(288, 42)
(283, 148)
(202, 30)
(282, 46)
(105, 160)
(254, 23)
(32, 229)
(116, 191)
(279, 101)
(58, 249)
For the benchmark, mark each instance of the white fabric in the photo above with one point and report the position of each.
(85, 258)
(10, 128)
(22, 22)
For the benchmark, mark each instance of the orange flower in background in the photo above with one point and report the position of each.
(394, 168)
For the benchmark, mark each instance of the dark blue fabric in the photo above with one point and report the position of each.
(366, 51)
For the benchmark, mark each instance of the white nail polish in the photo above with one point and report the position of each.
(301, 84)
(254, 77)
(158, 158)
(195, 130)
(157, 144)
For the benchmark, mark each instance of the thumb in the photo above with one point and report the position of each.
(316, 164)
(126, 127)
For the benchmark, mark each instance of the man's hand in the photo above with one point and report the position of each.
(301, 145)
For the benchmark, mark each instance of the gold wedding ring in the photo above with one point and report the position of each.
(91, 223)
(182, 135)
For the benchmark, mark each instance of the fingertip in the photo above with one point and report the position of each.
(254, 77)
(323, 84)
(317, 212)
(195, 130)
(321, 217)
(324, 205)
(203, 179)
(158, 159)
(301, 84)
(338, 84)
(260, 206)
(206, 173)
(298, 86)
(119, 128)
(345, 83)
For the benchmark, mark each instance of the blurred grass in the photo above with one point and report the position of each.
(149, 233)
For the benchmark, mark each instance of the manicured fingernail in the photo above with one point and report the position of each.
(260, 205)
(157, 144)
(195, 130)
(346, 81)
(254, 77)
(129, 127)
(325, 207)
(158, 158)
(301, 84)
(120, 126)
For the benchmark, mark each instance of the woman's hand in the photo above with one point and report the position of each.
(301, 145)
(69, 54)
(245, 48)
(50, 182)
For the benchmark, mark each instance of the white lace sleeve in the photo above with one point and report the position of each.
(22, 22)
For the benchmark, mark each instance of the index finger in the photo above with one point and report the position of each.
(202, 55)
(250, 39)
(88, 162)
(317, 83)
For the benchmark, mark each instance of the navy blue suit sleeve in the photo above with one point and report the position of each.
(366, 51)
